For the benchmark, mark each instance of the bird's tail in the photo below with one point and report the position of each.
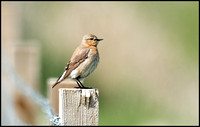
(61, 78)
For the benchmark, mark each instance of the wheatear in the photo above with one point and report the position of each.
(83, 61)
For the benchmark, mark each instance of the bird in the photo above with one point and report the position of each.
(83, 62)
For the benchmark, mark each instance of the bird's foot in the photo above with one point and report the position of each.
(78, 87)
(86, 88)
(83, 87)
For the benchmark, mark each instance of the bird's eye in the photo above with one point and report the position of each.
(91, 38)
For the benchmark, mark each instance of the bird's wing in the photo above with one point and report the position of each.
(79, 56)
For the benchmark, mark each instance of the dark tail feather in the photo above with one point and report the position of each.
(61, 78)
(55, 84)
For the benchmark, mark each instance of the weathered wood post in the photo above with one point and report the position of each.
(79, 106)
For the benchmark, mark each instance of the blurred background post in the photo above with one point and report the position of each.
(150, 49)
(25, 58)
(53, 94)
(27, 64)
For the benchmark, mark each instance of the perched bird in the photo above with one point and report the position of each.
(83, 61)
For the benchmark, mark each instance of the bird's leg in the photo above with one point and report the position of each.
(78, 85)
(83, 85)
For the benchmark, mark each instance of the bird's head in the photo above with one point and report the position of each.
(90, 40)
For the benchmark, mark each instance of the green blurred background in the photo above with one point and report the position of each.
(148, 70)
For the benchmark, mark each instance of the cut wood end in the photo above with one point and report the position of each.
(84, 92)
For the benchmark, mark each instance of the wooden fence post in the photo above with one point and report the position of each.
(78, 106)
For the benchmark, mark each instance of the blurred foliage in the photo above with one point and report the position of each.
(180, 19)
(140, 78)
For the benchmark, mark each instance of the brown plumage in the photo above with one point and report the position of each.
(83, 61)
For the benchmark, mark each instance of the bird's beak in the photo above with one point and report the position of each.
(98, 39)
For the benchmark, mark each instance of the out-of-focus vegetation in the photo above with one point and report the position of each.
(148, 70)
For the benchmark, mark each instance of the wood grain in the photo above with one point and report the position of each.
(79, 106)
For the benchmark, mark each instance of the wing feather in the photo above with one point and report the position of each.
(79, 56)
